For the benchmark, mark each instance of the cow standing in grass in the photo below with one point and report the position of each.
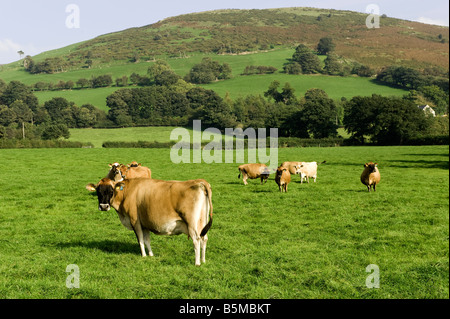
(370, 176)
(308, 170)
(292, 166)
(253, 171)
(147, 205)
(283, 178)
(135, 171)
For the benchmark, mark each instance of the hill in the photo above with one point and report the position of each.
(241, 38)
(397, 41)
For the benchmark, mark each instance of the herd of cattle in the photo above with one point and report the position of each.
(162, 207)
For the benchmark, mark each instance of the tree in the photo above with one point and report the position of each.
(157, 68)
(325, 46)
(286, 95)
(385, 120)
(23, 112)
(56, 109)
(309, 62)
(319, 114)
(167, 78)
(55, 131)
(101, 81)
(332, 65)
(81, 83)
(208, 106)
(293, 68)
(207, 71)
(16, 90)
(401, 76)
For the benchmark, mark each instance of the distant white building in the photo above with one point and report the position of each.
(427, 109)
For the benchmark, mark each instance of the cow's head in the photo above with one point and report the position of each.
(134, 164)
(105, 192)
(298, 168)
(371, 166)
(115, 171)
(280, 170)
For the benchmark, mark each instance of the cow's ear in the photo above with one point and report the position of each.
(119, 186)
(376, 164)
(91, 187)
(365, 164)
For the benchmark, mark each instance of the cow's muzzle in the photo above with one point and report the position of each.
(104, 207)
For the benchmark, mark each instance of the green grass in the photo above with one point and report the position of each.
(127, 134)
(336, 87)
(313, 242)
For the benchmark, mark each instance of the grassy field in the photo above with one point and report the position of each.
(313, 242)
(98, 136)
(336, 87)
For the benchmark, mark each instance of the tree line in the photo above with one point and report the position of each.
(168, 99)
(21, 116)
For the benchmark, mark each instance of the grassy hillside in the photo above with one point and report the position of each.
(239, 85)
(231, 35)
(236, 31)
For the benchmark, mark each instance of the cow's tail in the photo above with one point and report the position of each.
(239, 176)
(208, 195)
(322, 162)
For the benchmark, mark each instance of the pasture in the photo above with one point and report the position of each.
(313, 242)
(238, 86)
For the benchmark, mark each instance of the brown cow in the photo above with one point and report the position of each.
(253, 171)
(134, 164)
(129, 171)
(282, 178)
(292, 166)
(370, 176)
(114, 172)
(162, 207)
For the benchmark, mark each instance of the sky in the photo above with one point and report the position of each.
(35, 26)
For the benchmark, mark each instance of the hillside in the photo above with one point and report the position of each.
(397, 41)
(242, 38)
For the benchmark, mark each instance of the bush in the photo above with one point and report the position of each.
(27, 143)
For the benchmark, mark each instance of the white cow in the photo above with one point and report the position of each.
(308, 170)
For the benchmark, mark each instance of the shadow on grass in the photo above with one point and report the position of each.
(107, 246)
(419, 164)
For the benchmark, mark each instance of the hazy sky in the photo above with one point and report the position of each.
(34, 26)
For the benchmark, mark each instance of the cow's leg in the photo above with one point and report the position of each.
(147, 241)
(244, 178)
(140, 237)
(196, 240)
(203, 242)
